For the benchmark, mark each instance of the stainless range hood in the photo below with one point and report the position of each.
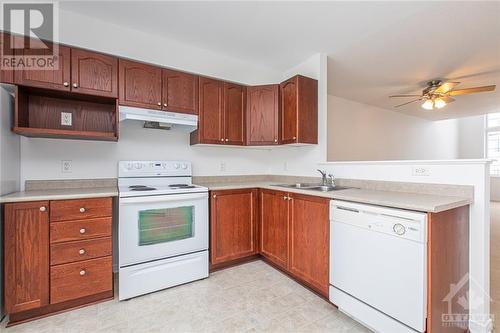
(163, 119)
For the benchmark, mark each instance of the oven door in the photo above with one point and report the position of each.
(158, 227)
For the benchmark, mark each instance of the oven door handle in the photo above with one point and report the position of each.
(164, 198)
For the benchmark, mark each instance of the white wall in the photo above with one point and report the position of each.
(9, 164)
(360, 132)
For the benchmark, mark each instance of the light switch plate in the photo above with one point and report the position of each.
(66, 119)
(66, 166)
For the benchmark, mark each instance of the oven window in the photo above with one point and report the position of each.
(165, 225)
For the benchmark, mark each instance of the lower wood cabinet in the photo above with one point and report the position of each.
(26, 241)
(53, 261)
(233, 225)
(274, 227)
(309, 240)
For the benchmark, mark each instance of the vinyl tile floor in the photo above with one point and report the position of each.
(253, 297)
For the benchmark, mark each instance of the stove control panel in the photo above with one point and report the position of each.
(154, 168)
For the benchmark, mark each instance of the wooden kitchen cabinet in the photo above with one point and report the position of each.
(140, 85)
(6, 75)
(233, 225)
(299, 110)
(94, 73)
(234, 114)
(57, 79)
(274, 227)
(263, 115)
(26, 237)
(68, 269)
(179, 92)
(309, 240)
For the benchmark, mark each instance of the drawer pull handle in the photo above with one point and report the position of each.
(83, 230)
(83, 272)
(43, 209)
(81, 252)
(82, 210)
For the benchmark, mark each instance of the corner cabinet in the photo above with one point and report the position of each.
(263, 127)
(233, 225)
(294, 236)
(58, 256)
(299, 110)
(221, 113)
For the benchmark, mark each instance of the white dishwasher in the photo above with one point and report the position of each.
(378, 261)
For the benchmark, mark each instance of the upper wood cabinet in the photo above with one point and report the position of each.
(6, 75)
(57, 79)
(263, 115)
(140, 85)
(234, 114)
(211, 112)
(26, 236)
(180, 92)
(274, 227)
(94, 74)
(222, 113)
(299, 110)
(309, 240)
(233, 225)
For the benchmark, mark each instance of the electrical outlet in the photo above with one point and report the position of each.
(66, 119)
(222, 166)
(420, 171)
(66, 166)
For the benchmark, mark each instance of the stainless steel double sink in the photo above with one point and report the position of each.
(313, 187)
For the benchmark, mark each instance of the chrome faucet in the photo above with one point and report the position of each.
(324, 181)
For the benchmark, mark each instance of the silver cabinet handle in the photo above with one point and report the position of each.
(75, 85)
(227, 140)
(43, 209)
(289, 198)
(214, 196)
(165, 104)
(66, 84)
(294, 138)
(275, 140)
(83, 272)
(285, 197)
(159, 103)
(82, 210)
(83, 230)
(222, 140)
(81, 252)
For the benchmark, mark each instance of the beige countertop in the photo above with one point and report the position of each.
(60, 194)
(405, 200)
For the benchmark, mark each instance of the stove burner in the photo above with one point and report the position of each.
(137, 186)
(142, 188)
(179, 185)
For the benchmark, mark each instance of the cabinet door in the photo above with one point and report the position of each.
(94, 73)
(309, 240)
(211, 118)
(274, 227)
(58, 79)
(27, 256)
(6, 51)
(289, 110)
(234, 114)
(140, 85)
(233, 225)
(180, 92)
(262, 115)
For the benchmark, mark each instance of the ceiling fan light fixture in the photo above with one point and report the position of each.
(428, 104)
(439, 103)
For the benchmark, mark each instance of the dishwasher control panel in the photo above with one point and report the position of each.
(397, 222)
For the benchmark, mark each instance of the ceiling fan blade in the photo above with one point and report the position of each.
(392, 96)
(447, 99)
(416, 100)
(445, 87)
(471, 90)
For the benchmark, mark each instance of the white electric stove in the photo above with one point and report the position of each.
(163, 227)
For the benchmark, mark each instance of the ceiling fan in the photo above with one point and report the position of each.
(438, 94)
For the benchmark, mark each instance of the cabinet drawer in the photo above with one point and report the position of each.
(80, 229)
(80, 279)
(64, 210)
(62, 253)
